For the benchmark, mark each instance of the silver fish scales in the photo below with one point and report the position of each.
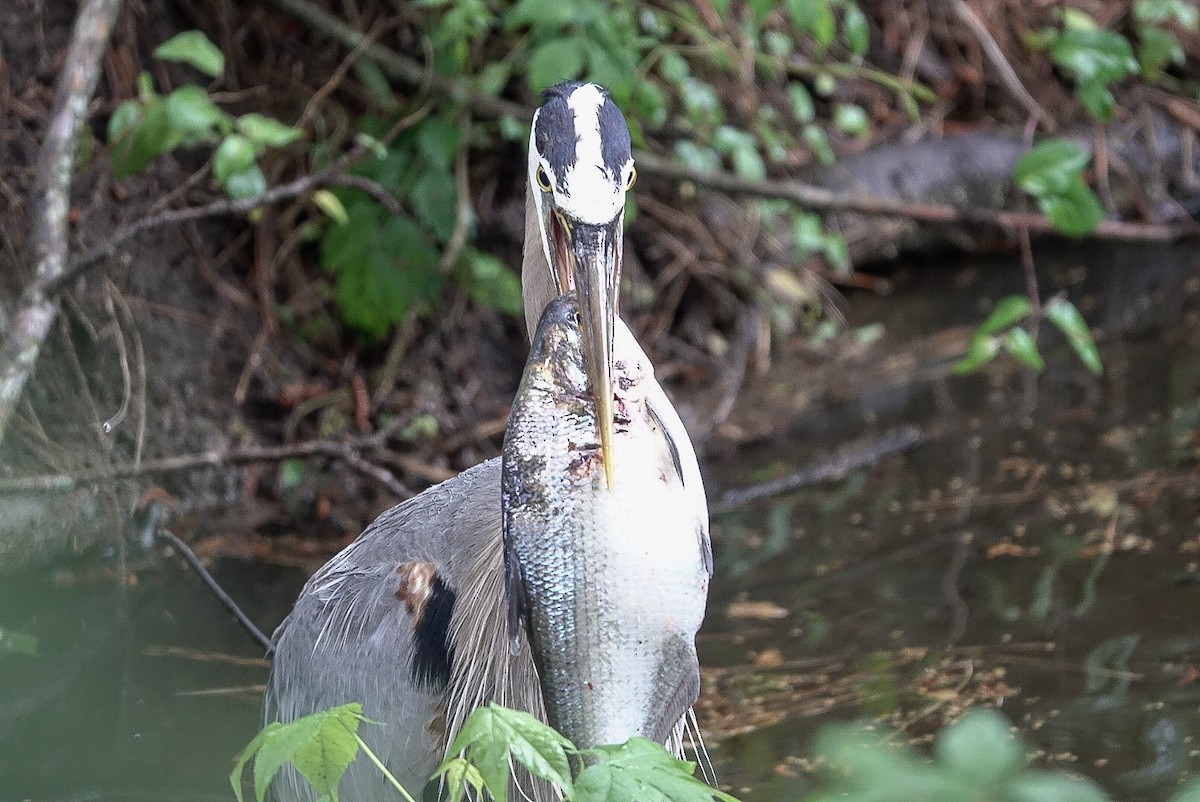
(610, 582)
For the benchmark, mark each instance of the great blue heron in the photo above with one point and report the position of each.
(409, 619)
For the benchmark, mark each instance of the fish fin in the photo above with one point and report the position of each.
(517, 596)
(696, 487)
(671, 447)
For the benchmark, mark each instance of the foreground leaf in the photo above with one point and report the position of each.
(321, 747)
(1047, 786)
(979, 746)
(643, 770)
(491, 734)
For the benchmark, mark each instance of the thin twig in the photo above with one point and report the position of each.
(191, 559)
(821, 199)
(995, 55)
(36, 310)
(345, 451)
(835, 467)
(462, 209)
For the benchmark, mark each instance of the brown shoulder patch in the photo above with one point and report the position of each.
(415, 587)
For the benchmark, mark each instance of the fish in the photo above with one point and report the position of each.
(608, 582)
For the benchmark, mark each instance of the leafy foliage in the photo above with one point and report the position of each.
(976, 758)
(1095, 58)
(637, 769)
(1052, 172)
(322, 746)
(979, 757)
(140, 130)
(1000, 331)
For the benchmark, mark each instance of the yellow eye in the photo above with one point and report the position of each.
(543, 178)
(632, 178)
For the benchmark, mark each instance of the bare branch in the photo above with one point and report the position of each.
(344, 451)
(36, 309)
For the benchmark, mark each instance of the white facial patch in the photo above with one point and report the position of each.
(534, 162)
(592, 194)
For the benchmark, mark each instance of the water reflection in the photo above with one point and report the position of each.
(1044, 563)
(1038, 559)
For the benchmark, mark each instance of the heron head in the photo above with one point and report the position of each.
(580, 168)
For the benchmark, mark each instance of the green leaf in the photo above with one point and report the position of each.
(1075, 212)
(321, 747)
(1006, 312)
(149, 138)
(330, 204)
(266, 132)
(851, 118)
(123, 118)
(373, 79)
(808, 234)
(460, 774)
(748, 163)
(641, 770)
(234, 155)
(700, 102)
(981, 351)
(697, 157)
(493, 77)
(979, 747)
(324, 758)
(1161, 12)
(1063, 314)
(191, 112)
(760, 8)
(438, 139)
(816, 140)
(837, 252)
(1021, 345)
(1094, 55)
(555, 61)
(541, 15)
(490, 734)
(381, 264)
(1048, 786)
(1157, 50)
(1050, 166)
(803, 108)
(855, 30)
(491, 282)
(436, 200)
(673, 67)
(815, 17)
(194, 48)
(1098, 101)
(249, 183)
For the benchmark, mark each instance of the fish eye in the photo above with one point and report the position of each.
(542, 178)
(629, 182)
